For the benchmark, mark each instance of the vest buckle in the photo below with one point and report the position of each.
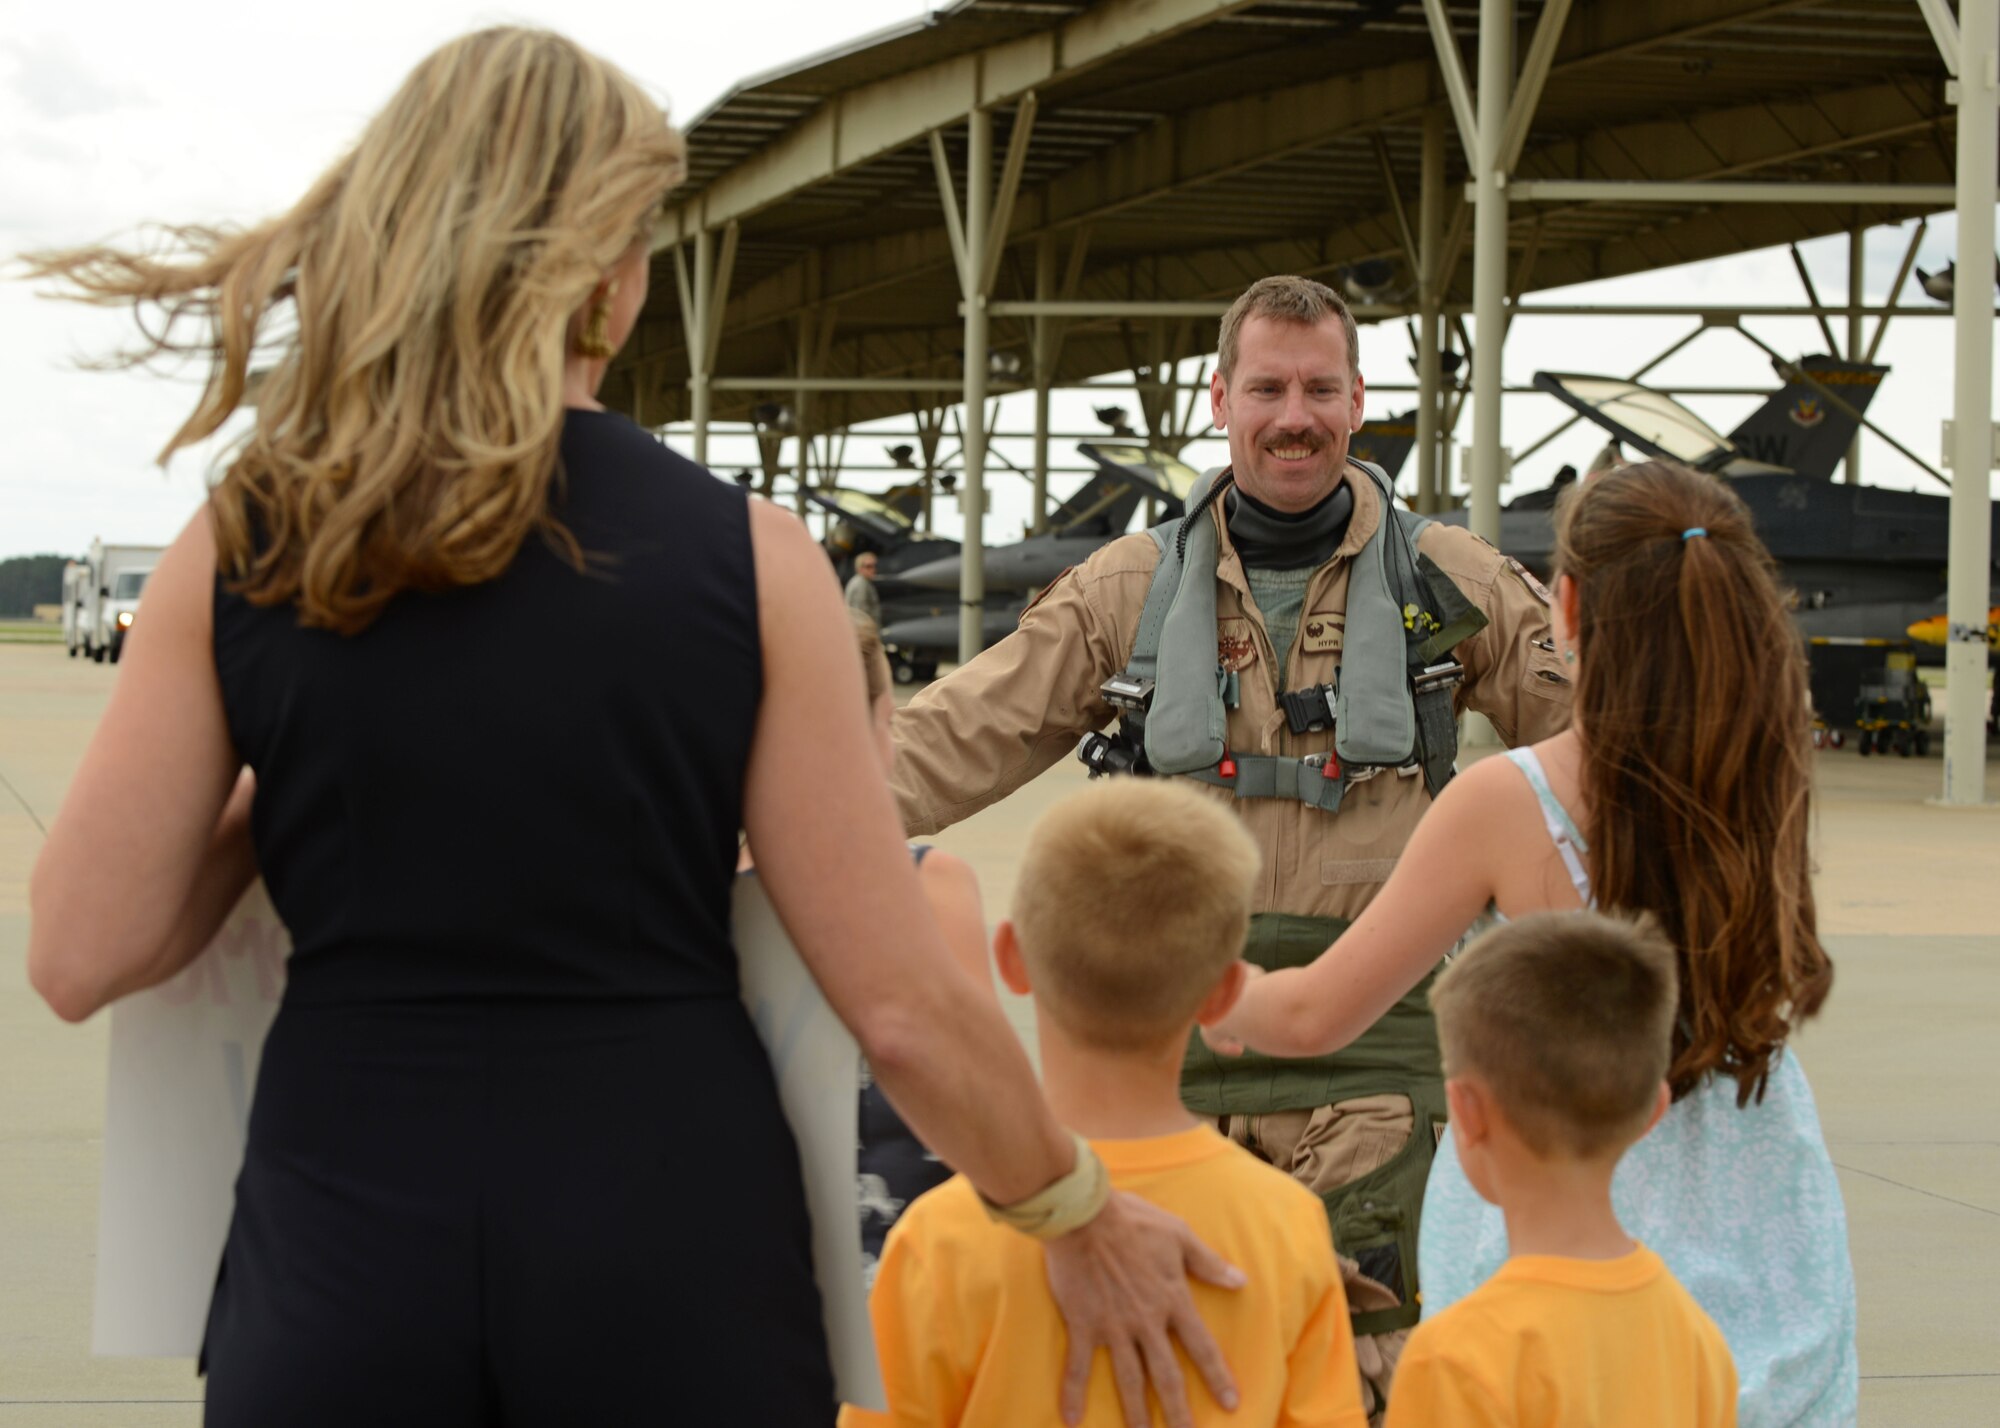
(1112, 754)
(1129, 693)
(1310, 711)
(1442, 677)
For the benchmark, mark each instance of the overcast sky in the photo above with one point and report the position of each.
(203, 111)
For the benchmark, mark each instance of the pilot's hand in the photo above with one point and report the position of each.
(1224, 1036)
(1221, 1043)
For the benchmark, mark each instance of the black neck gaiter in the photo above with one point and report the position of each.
(1279, 540)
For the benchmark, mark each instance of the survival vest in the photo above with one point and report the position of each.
(1390, 705)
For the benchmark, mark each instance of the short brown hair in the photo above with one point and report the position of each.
(874, 659)
(1568, 1017)
(1286, 299)
(1133, 899)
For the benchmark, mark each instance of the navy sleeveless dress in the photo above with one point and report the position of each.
(516, 1154)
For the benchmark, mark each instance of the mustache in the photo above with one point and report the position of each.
(1312, 440)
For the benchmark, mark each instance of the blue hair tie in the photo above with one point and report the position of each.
(1692, 531)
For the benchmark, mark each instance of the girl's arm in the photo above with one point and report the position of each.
(1442, 882)
(952, 890)
(152, 847)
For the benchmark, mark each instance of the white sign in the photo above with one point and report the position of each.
(819, 1083)
(184, 1061)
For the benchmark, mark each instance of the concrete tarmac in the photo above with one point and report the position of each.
(1904, 1064)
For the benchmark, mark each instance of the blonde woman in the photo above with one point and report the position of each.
(511, 676)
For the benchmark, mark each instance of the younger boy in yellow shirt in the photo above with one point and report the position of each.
(1556, 1033)
(1132, 904)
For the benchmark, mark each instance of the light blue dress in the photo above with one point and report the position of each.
(1743, 1206)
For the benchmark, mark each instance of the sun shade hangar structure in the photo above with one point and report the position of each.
(1026, 194)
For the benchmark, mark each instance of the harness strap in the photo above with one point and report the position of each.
(1145, 660)
(1437, 735)
(1275, 776)
(1411, 582)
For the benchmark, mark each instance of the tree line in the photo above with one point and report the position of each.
(30, 580)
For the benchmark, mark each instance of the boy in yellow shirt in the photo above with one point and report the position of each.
(1556, 1032)
(1133, 900)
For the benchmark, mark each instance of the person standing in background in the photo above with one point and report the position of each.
(862, 596)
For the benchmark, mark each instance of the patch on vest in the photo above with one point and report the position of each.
(1528, 579)
(1235, 648)
(1322, 633)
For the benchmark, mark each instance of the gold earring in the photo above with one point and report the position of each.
(595, 339)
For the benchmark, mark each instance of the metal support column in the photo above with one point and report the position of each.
(802, 409)
(1972, 405)
(1043, 363)
(1430, 297)
(1489, 262)
(1856, 267)
(700, 368)
(978, 198)
(702, 300)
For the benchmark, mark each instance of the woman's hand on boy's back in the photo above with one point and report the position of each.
(1121, 1283)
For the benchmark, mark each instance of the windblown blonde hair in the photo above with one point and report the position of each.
(408, 418)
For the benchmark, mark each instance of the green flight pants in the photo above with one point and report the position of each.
(1374, 1219)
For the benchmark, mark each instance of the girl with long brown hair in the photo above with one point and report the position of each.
(1681, 791)
(511, 677)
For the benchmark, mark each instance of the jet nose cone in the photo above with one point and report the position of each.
(933, 575)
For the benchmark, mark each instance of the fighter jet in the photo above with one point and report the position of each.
(885, 525)
(1099, 512)
(1804, 428)
(1865, 563)
(1096, 514)
(1386, 443)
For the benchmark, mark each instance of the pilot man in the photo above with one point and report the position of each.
(1302, 649)
(862, 596)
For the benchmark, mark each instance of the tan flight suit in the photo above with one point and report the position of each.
(974, 737)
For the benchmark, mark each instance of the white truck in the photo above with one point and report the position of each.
(116, 575)
(75, 587)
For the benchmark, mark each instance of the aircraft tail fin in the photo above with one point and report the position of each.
(1386, 442)
(1800, 428)
(1103, 505)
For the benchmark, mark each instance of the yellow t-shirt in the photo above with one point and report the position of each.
(968, 1334)
(1569, 1343)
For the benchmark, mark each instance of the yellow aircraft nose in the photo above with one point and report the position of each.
(1932, 631)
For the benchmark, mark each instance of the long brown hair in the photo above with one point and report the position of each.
(1697, 769)
(410, 404)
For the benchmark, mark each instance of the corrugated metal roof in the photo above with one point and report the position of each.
(1254, 142)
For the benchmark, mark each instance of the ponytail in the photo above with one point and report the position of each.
(1692, 707)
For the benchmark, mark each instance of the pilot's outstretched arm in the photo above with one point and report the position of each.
(1513, 674)
(990, 726)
